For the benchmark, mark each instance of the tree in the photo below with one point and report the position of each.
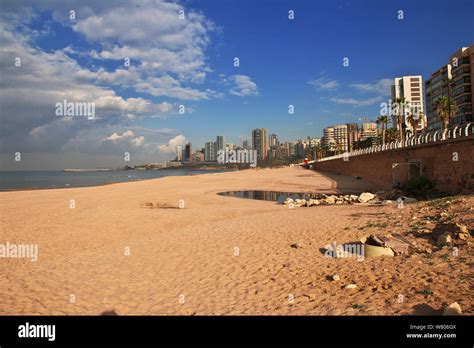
(446, 110)
(401, 104)
(383, 121)
(338, 147)
(392, 134)
(317, 151)
(414, 122)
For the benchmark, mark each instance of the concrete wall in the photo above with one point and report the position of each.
(436, 161)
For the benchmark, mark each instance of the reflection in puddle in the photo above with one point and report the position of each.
(273, 196)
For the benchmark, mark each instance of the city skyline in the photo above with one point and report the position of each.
(203, 73)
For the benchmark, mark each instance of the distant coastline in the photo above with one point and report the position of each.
(86, 170)
(74, 178)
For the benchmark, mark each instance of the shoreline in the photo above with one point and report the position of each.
(101, 184)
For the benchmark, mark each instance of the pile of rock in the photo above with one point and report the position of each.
(365, 197)
(450, 233)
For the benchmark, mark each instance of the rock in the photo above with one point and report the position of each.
(354, 198)
(351, 286)
(300, 202)
(339, 202)
(387, 201)
(330, 200)
(296, 245)
(336, 278)
(311, 202)
(462, 229)
(453, 309)
(444, 239)
(365, 197)
(288, 201)
(463, 236)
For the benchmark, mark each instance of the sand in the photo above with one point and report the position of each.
(128, 247)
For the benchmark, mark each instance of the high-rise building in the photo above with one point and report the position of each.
(300, 148)
(187, 152)
(198, 156)
(335, 138)
(436, 87)
(245, 144)
(210, 152)
(281, 151)
(453, 80)
(369, 130)
(409, 88)
(260, 142)
(461, 84)
(179, 153)
(220, 143)
(273, 140)
(291, 149)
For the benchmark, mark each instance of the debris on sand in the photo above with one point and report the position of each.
(453, 309)
(365, 197)
(390, 245)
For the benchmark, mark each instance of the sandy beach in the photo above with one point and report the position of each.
(129, 248)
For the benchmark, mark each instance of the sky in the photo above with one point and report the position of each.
(182, 84)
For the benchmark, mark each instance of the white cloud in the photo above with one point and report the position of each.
(380, 87)
(356, 102)
(28, 95)
(116, 137)
(242, 86)
(324, 83)
(160, 45)
(127, 136)
(179, 140)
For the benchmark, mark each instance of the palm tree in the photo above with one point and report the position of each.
(382, 120)
(317, 151)
(338, 147)
(392, 134)
(414, 121)
(445, 109)
(401, 103)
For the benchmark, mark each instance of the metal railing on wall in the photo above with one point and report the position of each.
(429, 138)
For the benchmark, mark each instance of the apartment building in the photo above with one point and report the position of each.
(410, 88)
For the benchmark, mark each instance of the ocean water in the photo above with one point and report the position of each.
(20, 180)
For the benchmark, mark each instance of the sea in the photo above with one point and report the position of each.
(29, 180)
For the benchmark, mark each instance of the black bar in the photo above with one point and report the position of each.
(287, 330)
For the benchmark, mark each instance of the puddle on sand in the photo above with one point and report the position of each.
(273, 196)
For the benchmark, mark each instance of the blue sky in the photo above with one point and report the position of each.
(190, 62)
